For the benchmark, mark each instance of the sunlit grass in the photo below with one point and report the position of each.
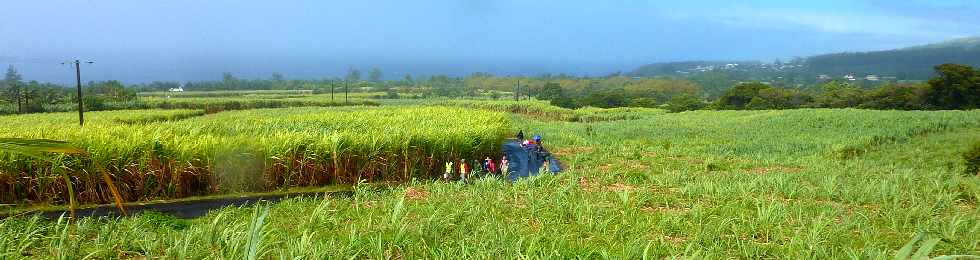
(706, 184)
(177, 153)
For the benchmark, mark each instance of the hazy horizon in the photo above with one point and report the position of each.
(189, 40)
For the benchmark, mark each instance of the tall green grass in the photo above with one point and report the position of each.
(544, 111)
(702, 185)
(243, 150)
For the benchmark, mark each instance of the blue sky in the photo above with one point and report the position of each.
(139, 41)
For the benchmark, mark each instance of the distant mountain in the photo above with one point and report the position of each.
(907, 63)
(912, 63)
(964, 43)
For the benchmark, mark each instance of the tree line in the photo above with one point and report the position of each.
(33, 96)
(955, 87)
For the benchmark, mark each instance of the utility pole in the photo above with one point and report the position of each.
(332, 84)
(78, 84)
(517, 91)
(346, 91)
(529, 92)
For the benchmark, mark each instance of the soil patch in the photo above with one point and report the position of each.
(412, 193)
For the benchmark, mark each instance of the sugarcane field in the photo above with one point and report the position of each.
(490, 130)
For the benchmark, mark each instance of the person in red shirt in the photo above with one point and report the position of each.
(488, 164)
(464, 169)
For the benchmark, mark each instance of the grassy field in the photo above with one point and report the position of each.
(178, 153)
(798, 184)
(229, 93)
(537, 109)
(213, 102)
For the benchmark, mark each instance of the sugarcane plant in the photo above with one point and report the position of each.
(41, 149)
(923, 245)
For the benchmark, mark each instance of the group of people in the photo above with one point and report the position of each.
(466, 170)
(531, 158)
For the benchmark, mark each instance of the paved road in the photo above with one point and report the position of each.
(181, 209)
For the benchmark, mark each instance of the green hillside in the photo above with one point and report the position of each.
(907, 63)
(912, 63)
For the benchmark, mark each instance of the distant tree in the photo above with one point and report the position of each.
(31, 97)
(13, 84)
(606, 98)
(683, 102)
(229, 81)
(111, 90)
(94, 103)
(955, 87)
(642, 102)
(374, 75)
(758, 103)
(278, 77)
(566, 102)
(778, 98)
(549, 91)
(408, 80)
(739, 96)
(353, 75)
(660, 90)
(837, 94)
(896, 96)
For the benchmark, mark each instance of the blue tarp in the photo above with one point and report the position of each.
(525, 162)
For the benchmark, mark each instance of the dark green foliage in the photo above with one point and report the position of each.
(33, 107)
(550, 91)
(896, 96)
(94, 103)
(606, 99)
(782, 98)
(565, 102)
(955, 87)
(614, 92)
(110, 90)
(391, 94)
(685, 103)
(836, 94)
(12, 87)
(161, 220)
(642, 102)
(972, 160)
(740, 96)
